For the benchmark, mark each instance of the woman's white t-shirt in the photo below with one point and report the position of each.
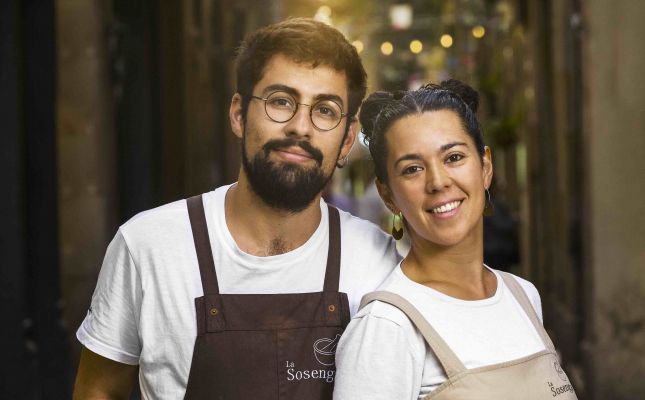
(381, 355)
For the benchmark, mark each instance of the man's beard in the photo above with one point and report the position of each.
(284, 186)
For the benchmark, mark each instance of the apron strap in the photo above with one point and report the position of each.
(448, 359)
(332, 274)
(525, 303)
(202, 245)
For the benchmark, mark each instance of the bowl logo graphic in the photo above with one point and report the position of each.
(559, 371)
(325, 350)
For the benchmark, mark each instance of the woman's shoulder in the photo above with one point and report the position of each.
(529, 288)
(381, 310)
(379, 322)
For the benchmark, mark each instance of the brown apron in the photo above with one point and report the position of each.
(265, 346)
(535, 377)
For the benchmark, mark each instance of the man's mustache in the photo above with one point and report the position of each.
(278, 144)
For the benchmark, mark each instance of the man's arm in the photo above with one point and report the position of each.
(101, 378)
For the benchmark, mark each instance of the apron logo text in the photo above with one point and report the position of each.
(298, 375)
(558, 390)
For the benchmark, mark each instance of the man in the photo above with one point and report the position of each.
(243, 292)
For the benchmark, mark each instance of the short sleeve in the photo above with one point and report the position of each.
(374, 360)
(110, 328)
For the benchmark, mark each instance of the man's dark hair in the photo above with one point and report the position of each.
(302, 40)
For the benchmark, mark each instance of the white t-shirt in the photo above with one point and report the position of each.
(382, 355)
(143, 312)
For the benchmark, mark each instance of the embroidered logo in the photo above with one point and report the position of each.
(325, 350)
(560, 372)
(558, 390)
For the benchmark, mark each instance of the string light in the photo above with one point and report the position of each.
(478, 31)
(446, 40)
(387, 48)
(324, 11)
(416, 46)
(359, 45)
(323, 14)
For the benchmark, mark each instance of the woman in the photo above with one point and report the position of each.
(445, 325)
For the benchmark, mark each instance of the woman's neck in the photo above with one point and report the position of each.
(457, 271)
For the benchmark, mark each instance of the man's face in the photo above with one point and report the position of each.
(287, 164)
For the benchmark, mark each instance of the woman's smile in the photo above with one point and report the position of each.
(446, 210)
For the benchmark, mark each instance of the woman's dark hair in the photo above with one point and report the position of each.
(382, 109)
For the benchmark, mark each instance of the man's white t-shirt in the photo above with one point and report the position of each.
(382, 356)
(142, 310)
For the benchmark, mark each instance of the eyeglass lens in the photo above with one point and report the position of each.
(325, 114)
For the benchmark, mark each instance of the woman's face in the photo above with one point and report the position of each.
(436, 178)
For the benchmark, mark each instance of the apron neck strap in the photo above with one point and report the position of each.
(525, 303)
(332, 273)
(447, 358)
(202, 245)
(198, 225)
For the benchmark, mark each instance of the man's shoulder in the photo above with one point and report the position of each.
(352, 223)
(162, 214)
(167, 222)
(369, 255)
(169, 213)
(364, 236)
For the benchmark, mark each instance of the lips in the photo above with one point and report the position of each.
(294, 148)
(445, 207)
(296, 151)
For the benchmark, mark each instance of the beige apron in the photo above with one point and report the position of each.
(535, 377)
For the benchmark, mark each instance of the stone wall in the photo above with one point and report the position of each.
(614, 64)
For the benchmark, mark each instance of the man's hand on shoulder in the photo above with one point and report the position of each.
(101, 378)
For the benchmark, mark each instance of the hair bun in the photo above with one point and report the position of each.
(463, 90)
(371, 108)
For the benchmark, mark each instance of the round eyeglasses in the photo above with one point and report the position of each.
(280, 107)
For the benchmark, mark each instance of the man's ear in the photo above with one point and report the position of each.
(350, 138)
(386, 194)
(236, 116)
(487, 167)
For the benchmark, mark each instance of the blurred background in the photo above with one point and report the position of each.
(111, 107)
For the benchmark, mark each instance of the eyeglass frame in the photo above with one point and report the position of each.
(311, 107)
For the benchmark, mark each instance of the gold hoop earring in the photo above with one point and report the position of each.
(397, 233)
(489, 208)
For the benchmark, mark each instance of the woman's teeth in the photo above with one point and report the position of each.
(446, 207)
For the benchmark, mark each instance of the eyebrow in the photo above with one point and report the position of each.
(277, 87)
(409, 156)
(417, 156)
(449, 146)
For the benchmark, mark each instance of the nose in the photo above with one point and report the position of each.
(437, 178)
(300, 124)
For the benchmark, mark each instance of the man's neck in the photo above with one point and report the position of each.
(261, 230)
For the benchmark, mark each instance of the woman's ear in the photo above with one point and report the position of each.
(487, 167)
(386, 195)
